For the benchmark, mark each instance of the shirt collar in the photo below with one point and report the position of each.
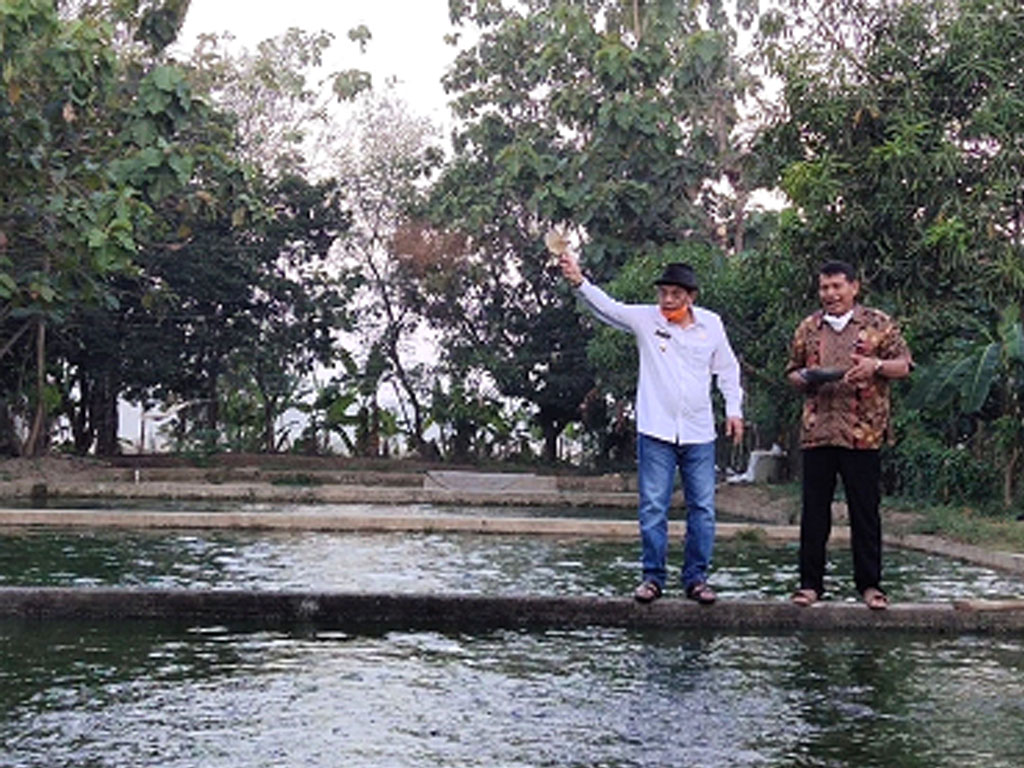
(838, 322)
(856, 319)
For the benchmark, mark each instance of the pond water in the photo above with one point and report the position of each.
(161, 695)
(174, 695)
(443, 562)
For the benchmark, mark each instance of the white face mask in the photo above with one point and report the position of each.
(838, 322)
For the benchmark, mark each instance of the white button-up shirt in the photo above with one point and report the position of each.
(673, 392)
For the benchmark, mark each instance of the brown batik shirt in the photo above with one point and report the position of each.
(837, 413)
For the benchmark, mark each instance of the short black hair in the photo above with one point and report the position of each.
(838, 268)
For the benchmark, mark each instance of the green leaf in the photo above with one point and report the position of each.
(165, 78)
(976, 386)
(935, 387)
(42, 291)
(1013, 341)
(1011, 331)
(350, 83)
(182, 165)
(8, 287)
(97, 238)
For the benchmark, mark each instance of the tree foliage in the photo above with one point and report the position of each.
(187, 249)
(616, 117)
(88, 146)
(900, 148)
(383, 159)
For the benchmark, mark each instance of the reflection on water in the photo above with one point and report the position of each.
(160, 695)
(405, 562)
(174, 695)
(168, 695)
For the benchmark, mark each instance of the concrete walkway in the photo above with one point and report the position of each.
(464, 612)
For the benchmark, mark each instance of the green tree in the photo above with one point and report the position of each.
(382, 158)
(235, 303)
(983, 379)
(244, 311)
(281, 98)
(900, 152)
(87, 144)
(615, 116)
(899, 148)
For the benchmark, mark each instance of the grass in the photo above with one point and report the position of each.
(995, 530)
(990, 525)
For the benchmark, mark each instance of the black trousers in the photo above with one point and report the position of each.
(861, 474)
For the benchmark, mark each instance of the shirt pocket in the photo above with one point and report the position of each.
(695, 350)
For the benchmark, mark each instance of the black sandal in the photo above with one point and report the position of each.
(647, 592)
(702, 593)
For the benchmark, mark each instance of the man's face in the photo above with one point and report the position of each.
(672, 297)
(837, 294)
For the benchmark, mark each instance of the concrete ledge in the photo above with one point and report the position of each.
(489, 482)
(460, 612)
(340, 521)
(1005, 561)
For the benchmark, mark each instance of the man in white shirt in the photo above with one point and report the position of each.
(681, 347)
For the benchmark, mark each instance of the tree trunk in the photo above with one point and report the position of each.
(551, 433)
(105, 417)
(269, 444)
(10, 445)
(461, 441)
(83, 430)
(211, 427)
(34, 443)
(740, 220)
(1008, 476)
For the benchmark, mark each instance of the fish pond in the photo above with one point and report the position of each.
(176, 693)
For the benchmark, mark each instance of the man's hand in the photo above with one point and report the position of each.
(797, 381)
(570, 268)
(863, 369)
(557, 242)
(734, 428)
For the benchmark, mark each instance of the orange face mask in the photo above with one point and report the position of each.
(676, 315)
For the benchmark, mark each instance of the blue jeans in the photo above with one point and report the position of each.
(657, 461)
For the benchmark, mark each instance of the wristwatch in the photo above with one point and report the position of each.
(878, 365)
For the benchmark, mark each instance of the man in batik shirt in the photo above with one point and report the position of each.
(842, 359)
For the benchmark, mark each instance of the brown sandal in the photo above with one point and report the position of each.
(647, 592)
(875, 599)
(804, 597)
(702, 593)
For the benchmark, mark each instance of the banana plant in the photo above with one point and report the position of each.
(984, 380)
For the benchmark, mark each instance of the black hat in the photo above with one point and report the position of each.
(678, 274)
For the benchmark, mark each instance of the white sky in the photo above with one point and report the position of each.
(407, 38)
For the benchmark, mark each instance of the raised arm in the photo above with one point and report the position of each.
(604, 307)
